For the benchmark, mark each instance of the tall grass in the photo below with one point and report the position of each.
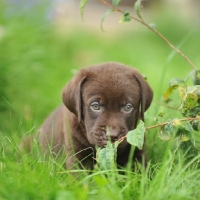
(36, 61)
(32, 177)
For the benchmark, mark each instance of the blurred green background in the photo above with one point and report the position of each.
(43, 43)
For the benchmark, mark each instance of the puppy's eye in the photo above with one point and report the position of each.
(95, 106)
(128, 107)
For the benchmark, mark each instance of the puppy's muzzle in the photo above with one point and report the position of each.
(113, 134)
(104, 134)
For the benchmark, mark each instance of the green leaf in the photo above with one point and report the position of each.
(163, 135)
(173, 85)
(176, 129)
(106, 157)
(104, 17)
(176, 122)
(196, 125)
(190, 105)
(183, 135)
(138, 8)
(182, 92)
(168, 92)
(115, 2)
(176, 82)
(189, 75)
(188, 127)
(82, 6)
(194, 112)
(193, 89)
(197, 91)
(161, 114)
(190, 101)
(169, 130)
(125, 17)
(136, 136)
(184, 131)
(196, 139)
(190, 98)
(195, 77)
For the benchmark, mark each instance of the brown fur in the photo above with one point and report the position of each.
(79, 126)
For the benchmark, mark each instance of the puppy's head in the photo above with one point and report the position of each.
(108, 99)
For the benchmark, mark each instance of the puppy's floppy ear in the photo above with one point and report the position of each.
(146, 93)
(72, 95)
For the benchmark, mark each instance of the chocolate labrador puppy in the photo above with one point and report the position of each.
(101, 103)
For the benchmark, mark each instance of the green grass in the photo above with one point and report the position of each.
(37, 60)
(35, 178)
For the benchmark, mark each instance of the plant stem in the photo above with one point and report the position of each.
(165, 105)
(162, 124)
(155, 31)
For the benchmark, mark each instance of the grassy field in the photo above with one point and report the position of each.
(37, 60)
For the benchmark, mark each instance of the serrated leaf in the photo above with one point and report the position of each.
(106, 157)
(125, 17)
(82, 6)
(138, 8)
(104, 17)
(136, 136)
(115, 2)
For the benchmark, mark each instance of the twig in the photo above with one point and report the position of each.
(165, 105)
(154, 30)
(162, 124)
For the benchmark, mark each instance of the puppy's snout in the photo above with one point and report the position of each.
(112, 134)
